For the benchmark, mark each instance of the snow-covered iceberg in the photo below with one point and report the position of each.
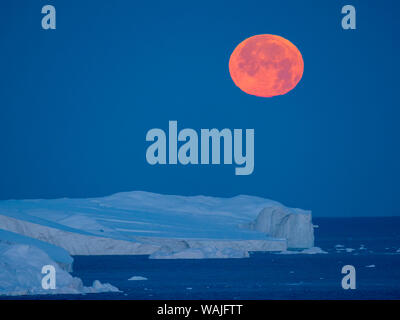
(21, 273)
(59, 255)
(160, 225)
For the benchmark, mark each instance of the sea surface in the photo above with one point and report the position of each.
(371, 245)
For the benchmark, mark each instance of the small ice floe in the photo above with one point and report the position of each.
(313, 250)
(398, 250)
(137, 278)
(315, 226)
(349, 250)
(189, 288)
(370, 266)
(295, 283)
(339, 246)
(362, 247)
(99, 287)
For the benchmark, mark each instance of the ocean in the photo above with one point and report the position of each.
(371, 245)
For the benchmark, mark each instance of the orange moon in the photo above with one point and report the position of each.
(266, 65)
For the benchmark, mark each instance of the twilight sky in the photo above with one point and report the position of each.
(76, 103)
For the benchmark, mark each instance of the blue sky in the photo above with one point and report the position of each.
(76, 102)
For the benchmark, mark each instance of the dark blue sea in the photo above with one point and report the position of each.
(369, 244)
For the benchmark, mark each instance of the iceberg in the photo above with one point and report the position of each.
(158, 225)
(137, 278)
(313, 250)
(21, 273)
(59, 255)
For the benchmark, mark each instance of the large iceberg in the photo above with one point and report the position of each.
(160, 225)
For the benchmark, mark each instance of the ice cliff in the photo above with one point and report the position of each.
(294, 225)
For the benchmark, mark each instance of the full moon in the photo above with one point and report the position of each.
(266, 65)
